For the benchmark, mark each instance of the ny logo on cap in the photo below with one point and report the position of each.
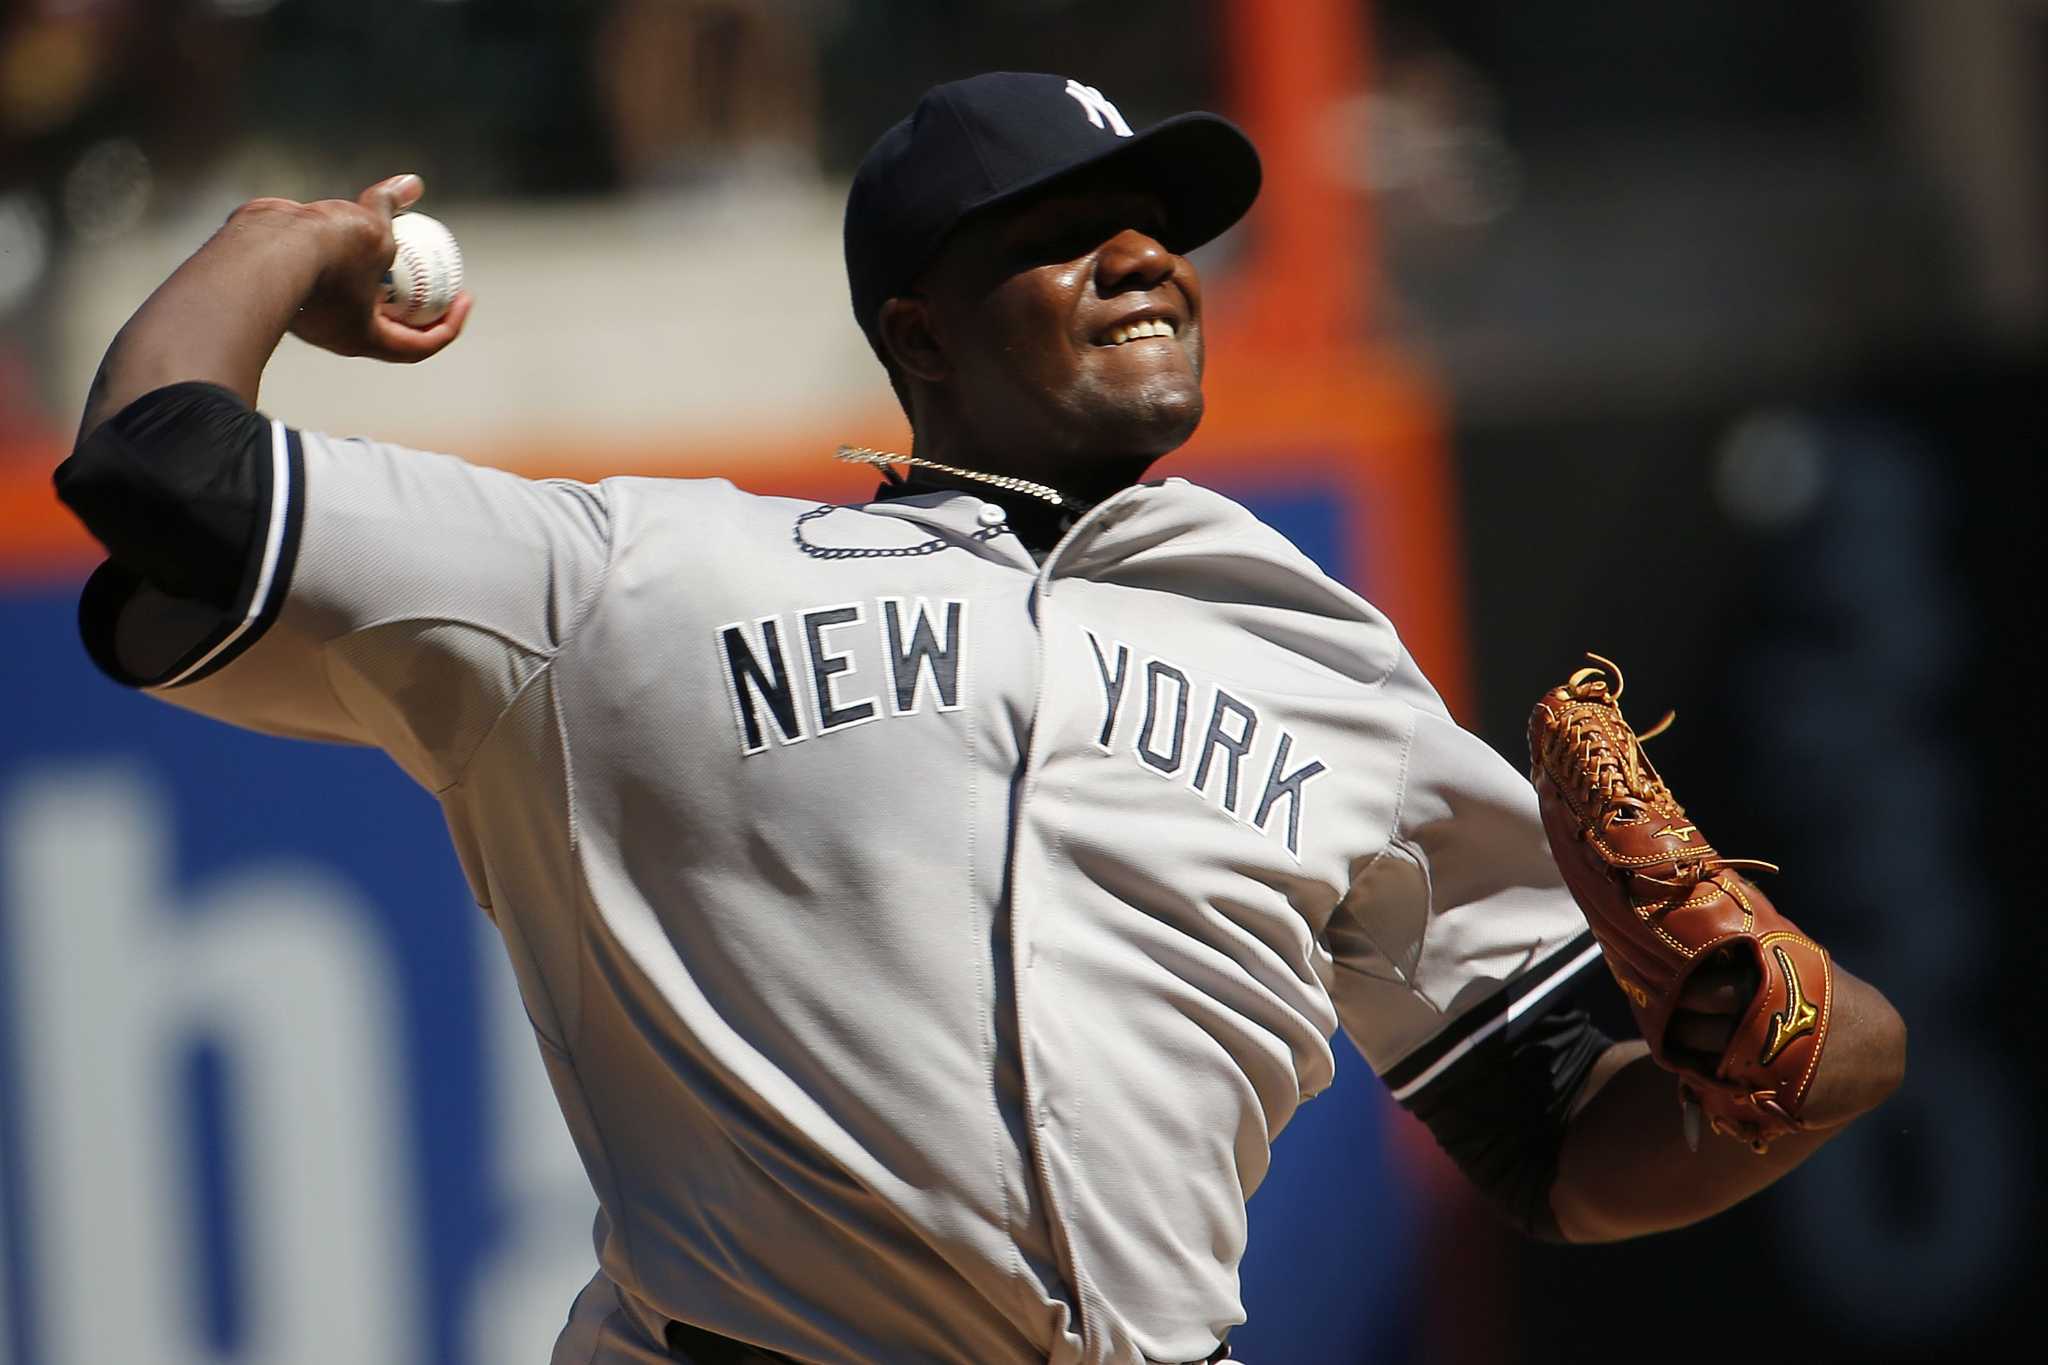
(1098, 108)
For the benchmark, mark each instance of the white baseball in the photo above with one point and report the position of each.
(426, 274)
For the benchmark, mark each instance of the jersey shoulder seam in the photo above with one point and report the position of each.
(602, 491)
(1395, 840)
(462, 767)
(1395, 845)
(578, 615)
(572, 1027)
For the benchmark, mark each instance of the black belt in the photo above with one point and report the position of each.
(700, 1347)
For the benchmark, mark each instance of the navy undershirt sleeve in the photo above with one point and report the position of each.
(1500, 1113)
(177, 487)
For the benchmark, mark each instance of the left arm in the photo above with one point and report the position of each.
(1455, 955)
(1625, 1169)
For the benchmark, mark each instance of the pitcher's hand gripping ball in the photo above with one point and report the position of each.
(1663, 903)
(426, 271)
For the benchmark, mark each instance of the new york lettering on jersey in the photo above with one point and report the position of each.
(811, 672)
(1226, 732)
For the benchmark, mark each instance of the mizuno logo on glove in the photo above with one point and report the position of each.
(1799, 1015)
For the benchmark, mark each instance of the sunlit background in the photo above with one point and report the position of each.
(1708, 334)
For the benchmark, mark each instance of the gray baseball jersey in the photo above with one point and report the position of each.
(925, 942)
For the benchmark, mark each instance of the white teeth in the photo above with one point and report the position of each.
(1137, 331)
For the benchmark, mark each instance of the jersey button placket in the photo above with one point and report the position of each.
(1048, 1124)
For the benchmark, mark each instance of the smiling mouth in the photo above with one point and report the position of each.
(1137, 331)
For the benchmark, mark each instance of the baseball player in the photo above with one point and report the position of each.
(929, 910)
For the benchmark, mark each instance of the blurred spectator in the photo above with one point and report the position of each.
(696, 88)
(100, 102)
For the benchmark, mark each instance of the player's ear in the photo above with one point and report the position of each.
(907, 332)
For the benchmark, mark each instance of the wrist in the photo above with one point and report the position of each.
(1865, 1061)
(220, 314)
(279, 251)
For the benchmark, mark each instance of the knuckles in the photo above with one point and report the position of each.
(269, 206)
(354, 227)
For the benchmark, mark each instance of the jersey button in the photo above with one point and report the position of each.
(991, 515)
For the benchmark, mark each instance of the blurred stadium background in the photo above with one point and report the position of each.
(1757, 290)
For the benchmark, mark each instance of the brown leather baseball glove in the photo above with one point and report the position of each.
(1663, 904)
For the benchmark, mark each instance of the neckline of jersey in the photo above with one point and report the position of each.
(1037, 525)
(957, 510)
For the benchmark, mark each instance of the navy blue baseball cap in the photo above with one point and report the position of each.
(973, 144)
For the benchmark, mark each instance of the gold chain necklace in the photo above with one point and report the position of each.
(885, 458)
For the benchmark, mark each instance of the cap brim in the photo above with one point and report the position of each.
(1202, 166)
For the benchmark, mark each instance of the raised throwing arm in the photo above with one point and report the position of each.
(275, 266)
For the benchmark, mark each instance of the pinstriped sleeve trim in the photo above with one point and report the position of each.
(204, 638)
(280, 547)
(1515, 1001)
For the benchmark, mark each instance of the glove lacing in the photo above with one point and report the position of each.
(1610, 780)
